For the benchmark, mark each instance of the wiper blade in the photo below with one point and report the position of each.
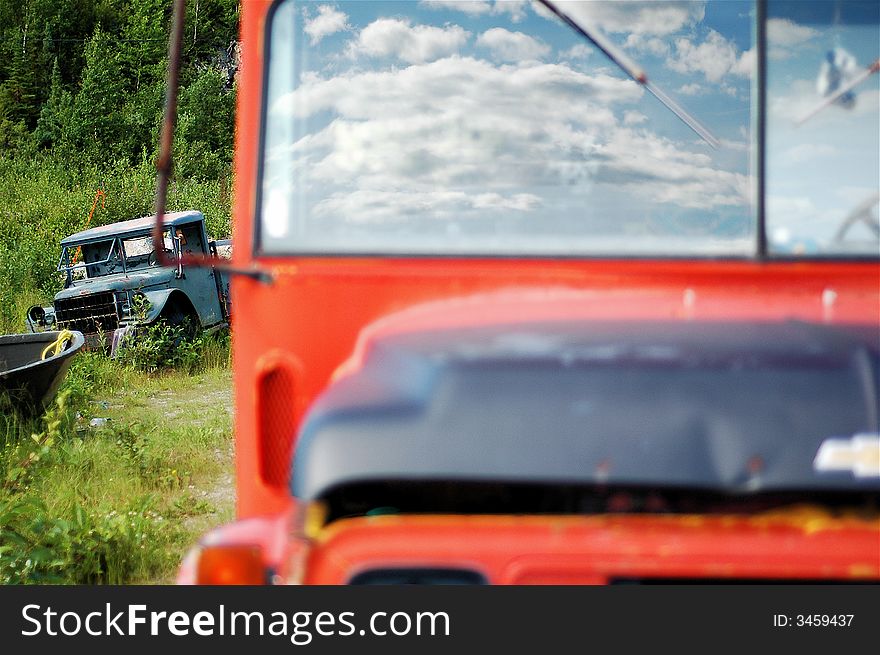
(633, 70)
(846, 88)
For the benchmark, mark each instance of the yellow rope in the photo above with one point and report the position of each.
(57, 346)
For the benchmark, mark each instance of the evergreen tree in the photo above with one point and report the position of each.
(86, 79)
(144, 43)
(18, 93)
(56, 113)
(210, 27)
(206, 127)
(69, 24)
(96, 128)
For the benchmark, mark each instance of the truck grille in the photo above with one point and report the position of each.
(93, 313)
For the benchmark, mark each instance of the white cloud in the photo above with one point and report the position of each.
(458, 137)
(658, 168)
(738, 146)
(542, 11)
(515, 8)
(786, 33)
(693, 89)
(789, 207)
(728, 89)
(715, 57)
(473, 7)
(745, 65)
(634, 118)
(512, 46)
(328, 20)
(799, 99)
(805, 152)
(644, 43)
(787, 216)
(659, 17)
(372, 205)
(784, 37)
(577, 51)
(393, 37)
(356, 94)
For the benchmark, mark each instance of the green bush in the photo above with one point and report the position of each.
(81, 547)
(161, 345)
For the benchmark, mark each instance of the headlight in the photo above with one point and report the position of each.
(122, 301)
(41, 316)
(37, 315)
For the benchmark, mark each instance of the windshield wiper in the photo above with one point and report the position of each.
(843, 90)
(634, 71)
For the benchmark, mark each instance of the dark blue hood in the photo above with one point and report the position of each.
(727, 407)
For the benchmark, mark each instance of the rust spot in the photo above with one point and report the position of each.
(755, 465)
(862, 571)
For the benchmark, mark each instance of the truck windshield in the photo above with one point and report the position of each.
(493, 128)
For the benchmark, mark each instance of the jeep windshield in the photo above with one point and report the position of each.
(493, 128)
(90, 259)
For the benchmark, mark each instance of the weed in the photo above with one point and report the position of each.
(82, 546)
(26, 453)
(189, 505)
(163, 344)
(154, 470)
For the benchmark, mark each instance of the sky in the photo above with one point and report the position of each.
(490, 127)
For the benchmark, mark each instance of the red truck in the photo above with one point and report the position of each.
(532, 321)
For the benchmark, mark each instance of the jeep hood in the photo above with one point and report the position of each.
(133, 281)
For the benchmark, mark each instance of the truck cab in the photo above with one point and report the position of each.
(530, 320)
(107, 268)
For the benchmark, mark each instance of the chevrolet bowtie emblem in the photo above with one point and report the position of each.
(860, 455)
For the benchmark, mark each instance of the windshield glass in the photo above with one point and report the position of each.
(140, 253)
(440, 127)
(823, 127)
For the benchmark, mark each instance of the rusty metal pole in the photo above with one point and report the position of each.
(164, 163)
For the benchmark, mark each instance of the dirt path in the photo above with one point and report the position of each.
(196, 406)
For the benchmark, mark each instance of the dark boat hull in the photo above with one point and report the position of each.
(28, 382)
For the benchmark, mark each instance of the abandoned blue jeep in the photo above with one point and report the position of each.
(113, 281)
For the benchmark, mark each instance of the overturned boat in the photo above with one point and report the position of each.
(32, 367)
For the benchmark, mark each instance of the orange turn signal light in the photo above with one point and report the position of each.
(231, 565)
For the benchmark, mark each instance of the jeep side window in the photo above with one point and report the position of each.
(191, 242)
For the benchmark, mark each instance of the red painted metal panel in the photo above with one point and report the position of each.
(598, 549)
